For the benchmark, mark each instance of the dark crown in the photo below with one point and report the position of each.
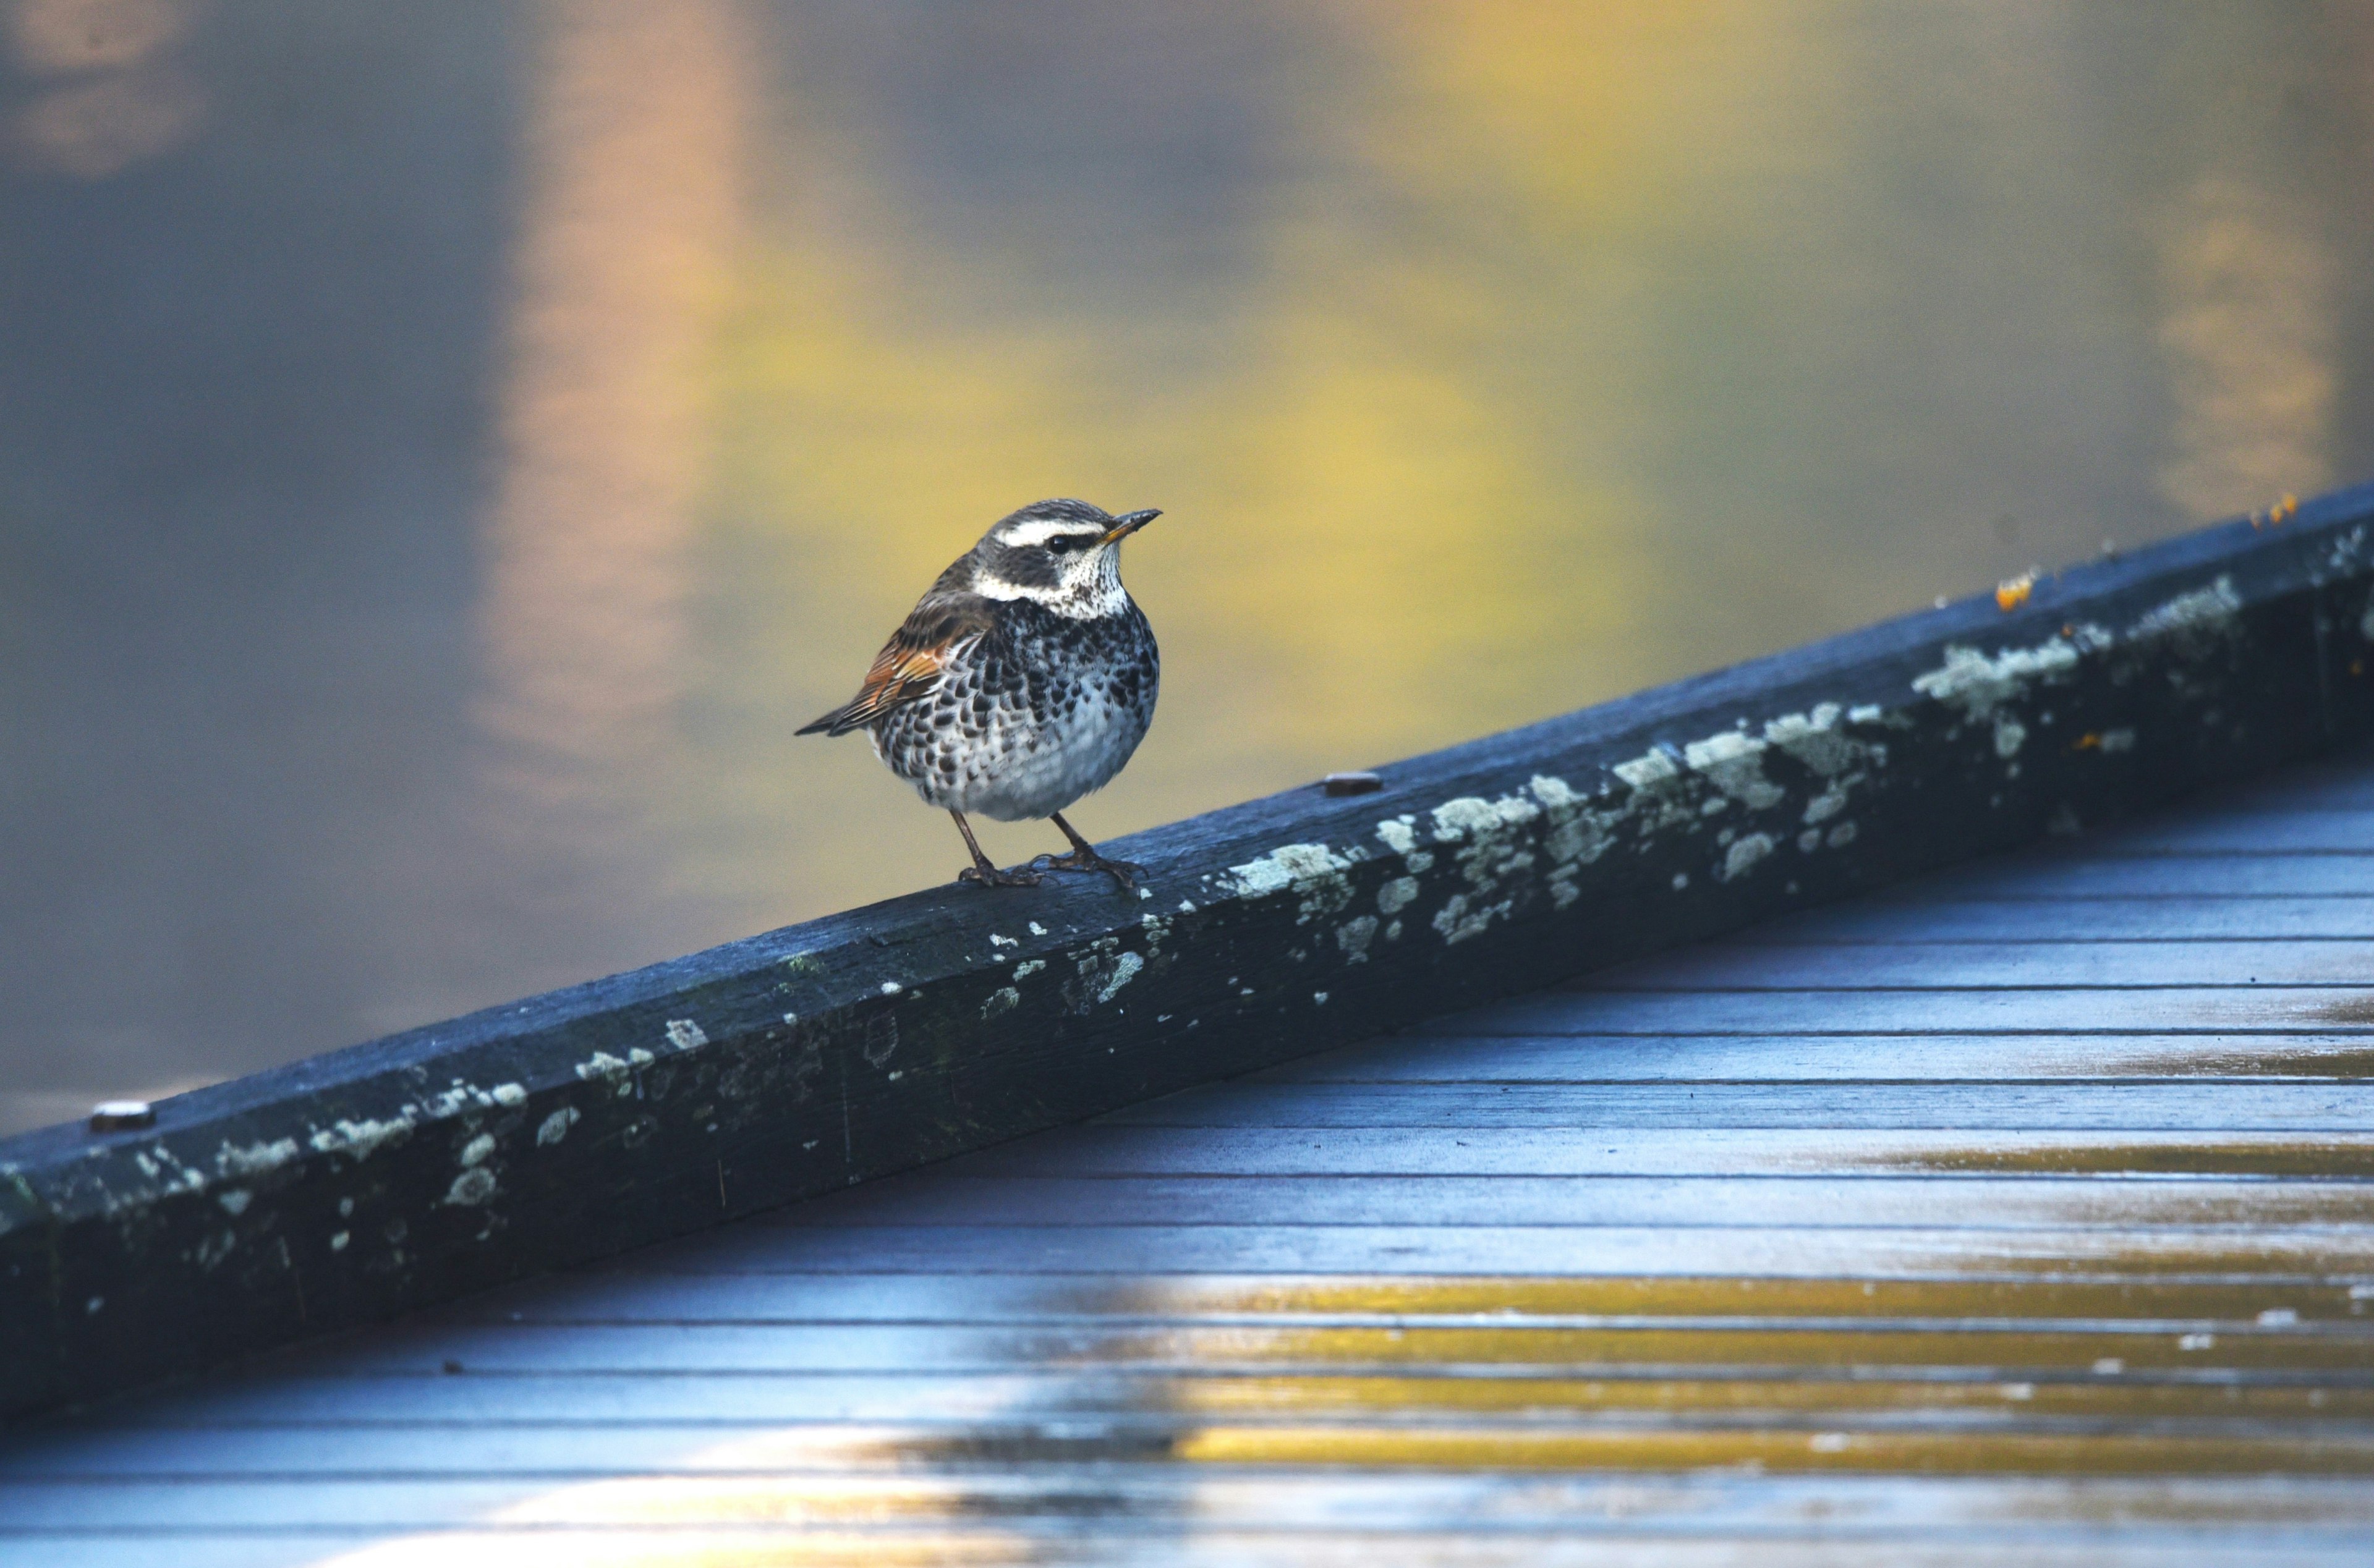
(1059, 510)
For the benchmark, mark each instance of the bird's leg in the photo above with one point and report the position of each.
(1083, 857)
(981, 870)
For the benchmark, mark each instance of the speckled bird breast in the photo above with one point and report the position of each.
(1031, 716)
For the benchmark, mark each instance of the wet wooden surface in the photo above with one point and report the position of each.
(2021, 1215)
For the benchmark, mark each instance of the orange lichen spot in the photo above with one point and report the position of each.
(2357, 666)
(2014, 593)
(2089, 741)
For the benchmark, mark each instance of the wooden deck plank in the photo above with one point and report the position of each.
(2162, 1010)
(1128, 1512)
(2259, 1105)
(851, 1457)
(1492, 1149)
(2001, 966)
(2279, 832)
(1944, 1202)
(1800, 1059)
(2252, 920)
(387, 1425)
(2047, 877)
(1484, 1249)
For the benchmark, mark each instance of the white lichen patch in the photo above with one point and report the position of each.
(1977, 685)
(1399, 834)
(1817, 741)
(605, 1065)
(1495, 858)
(1981, 687)
(1471, 819)
(511, 1097)
(891, 988)
(1744, 855)
(1574, 834)
(2119, 740)
(235, 1201)
(684, 1034)
(555, 1128)
(1733, 763)
(476, 1152)
(471, 1189)
(1126, 967)
(255, 1158)
(1006, 998)
(1313, 872)
(1825, 805)
(361, 1139)
(1100, 973)
(1649, 771)
(1661, 795)
(2194, 620)
(1397, 895)
(1028, 967)
(1354, 936)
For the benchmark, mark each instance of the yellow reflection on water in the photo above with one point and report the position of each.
(1541, 352)
(633, 152)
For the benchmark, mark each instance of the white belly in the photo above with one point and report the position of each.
(1016, 769)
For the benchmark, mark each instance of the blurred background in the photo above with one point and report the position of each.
(446, 448)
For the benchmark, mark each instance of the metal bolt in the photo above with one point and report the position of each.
(122, 1115)
(1351, 784)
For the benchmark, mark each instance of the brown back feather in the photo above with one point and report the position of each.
(909, 665)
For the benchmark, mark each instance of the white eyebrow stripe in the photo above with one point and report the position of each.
(1024, 534)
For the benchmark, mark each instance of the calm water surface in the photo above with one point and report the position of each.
(446, 448)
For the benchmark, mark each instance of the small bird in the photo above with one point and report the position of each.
(1021, 681)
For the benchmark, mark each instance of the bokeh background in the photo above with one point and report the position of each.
(447, 447)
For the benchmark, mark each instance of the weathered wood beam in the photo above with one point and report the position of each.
(359, 1184)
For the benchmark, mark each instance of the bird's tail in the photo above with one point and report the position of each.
(839, 721)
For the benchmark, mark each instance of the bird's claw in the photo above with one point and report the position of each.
(992, 877)
(1124, 872)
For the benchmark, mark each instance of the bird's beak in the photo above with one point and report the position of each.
(1129, 523)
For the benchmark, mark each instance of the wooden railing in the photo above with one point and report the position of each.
(352, 1185)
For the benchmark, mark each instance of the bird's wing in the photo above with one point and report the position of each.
(909, 665)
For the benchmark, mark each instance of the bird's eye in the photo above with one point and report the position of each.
(1064, 544)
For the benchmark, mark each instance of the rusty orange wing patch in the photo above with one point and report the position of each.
(908, 667)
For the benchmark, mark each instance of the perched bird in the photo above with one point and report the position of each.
(1022, 681)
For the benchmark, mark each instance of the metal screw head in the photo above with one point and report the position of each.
(1351, 784)
(122, 1115)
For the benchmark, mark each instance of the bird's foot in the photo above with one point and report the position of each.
(1124, 872)
(990, 876)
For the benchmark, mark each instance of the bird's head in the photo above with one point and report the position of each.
(1064, 555)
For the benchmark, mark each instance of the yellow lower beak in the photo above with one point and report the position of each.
(1129, 523)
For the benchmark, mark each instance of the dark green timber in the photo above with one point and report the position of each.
(353, 1186)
